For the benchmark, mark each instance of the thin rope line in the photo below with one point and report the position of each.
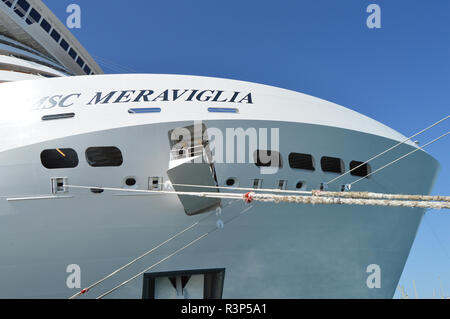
(85, 290)
(314, 200)
(152, 266)
(168, 257)
(438, 240)
(275, 190)
(369, 195)
(333, 194)
(113, 64)
(105, 65)
(305, 199)
(398, 159)
(133, 261)
(388, 150)
(199, 194)
(314, 193)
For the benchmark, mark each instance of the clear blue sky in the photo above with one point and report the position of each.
(398, 75)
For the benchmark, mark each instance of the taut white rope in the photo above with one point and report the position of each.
(274, 190)
(369, 195)
(348, 201)
(402, 157)
(152, 266)
(85, 290)
(198, 194)
(170, 256)
(250, 196)
(388, 150)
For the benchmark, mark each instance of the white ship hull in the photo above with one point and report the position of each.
(266, 250)
(270, 251)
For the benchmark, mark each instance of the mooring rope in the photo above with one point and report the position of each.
(388, 150)
(198, 194)
(87, 289)
(316, 197)
(274, 190)
(171, 255)
(400, 158)
(314, 200)
(369, 195)
(372, 200)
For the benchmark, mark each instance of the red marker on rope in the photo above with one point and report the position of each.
(248, 198)
(85, 290)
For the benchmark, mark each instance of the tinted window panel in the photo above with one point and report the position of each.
(45, 25)
(58, 116)
(301, 161)
(59, 158)
(104, 156)
(80, 62)
(332, 164)
(8, 2)
(72, 53)
(64, 45)
(19, 12)
(360, 171)
(55, 35)
(23, 4)
(145, 110)
(87, 69)
(222, 110)
(34, 15)
(21, 8)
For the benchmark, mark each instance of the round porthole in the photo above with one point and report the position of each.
(130, 181)
(299, 185)
(231, 181)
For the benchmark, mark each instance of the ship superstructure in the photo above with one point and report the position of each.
(35, 44)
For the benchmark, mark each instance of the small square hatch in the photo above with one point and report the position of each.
(58, 185)
(155, 183)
